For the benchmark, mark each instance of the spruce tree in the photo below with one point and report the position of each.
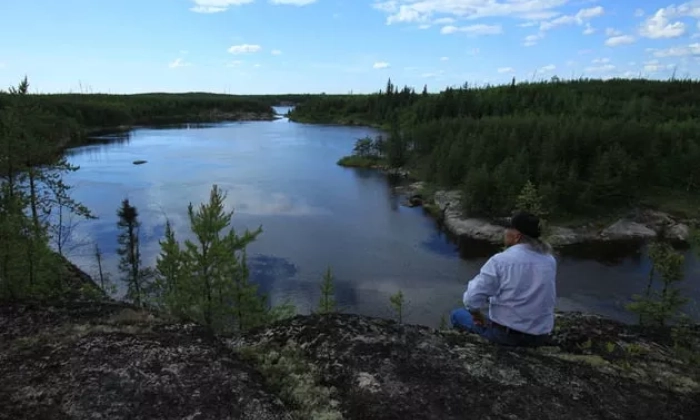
(129, 251)
(326, 304)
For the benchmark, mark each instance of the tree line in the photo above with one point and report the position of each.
(588, 145)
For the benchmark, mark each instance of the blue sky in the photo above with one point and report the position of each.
(334, 46)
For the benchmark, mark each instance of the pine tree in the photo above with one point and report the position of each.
(130, 261)
(326, 304)
(398, 303)
(171, 274)
(218, 272)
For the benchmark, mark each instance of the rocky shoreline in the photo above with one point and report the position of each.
(640, 225)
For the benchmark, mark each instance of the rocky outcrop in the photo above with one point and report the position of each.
(109, 360)
(641, 225)
(364, 368)
(106, 360)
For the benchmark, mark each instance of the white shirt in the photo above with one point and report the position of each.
(519, 285)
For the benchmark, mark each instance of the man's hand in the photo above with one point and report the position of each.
(478, 318)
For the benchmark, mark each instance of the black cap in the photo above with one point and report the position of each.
(526, 223)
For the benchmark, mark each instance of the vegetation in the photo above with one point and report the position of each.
(130, 254)
(658, 307)
(206, 280)
(398, 303)
(31, 193)
(101, 110)
(326, 304)
(589, 146)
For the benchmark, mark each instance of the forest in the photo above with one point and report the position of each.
(86, 113)
(590, 146)
(204, 279)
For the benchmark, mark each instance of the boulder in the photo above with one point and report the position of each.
(625, 229)
(678, 232)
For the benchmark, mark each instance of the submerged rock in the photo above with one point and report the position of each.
(109, 360)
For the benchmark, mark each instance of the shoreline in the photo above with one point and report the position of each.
(178, 122)
(638, 225)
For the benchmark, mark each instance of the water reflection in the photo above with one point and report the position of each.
(314, 214)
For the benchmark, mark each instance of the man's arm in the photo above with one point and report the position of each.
(480, 288)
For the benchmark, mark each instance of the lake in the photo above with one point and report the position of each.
(315, 214)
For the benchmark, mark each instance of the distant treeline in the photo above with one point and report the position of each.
(589, 145)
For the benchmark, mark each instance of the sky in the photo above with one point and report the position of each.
(338, 46)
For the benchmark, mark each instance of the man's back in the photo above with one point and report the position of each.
(526, 295)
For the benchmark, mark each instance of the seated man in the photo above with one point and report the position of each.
(519, 286)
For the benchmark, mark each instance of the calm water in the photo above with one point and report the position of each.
(314, 214)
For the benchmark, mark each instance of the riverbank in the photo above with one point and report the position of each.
(636, 225)
(211, 117)
(445, 205)
(86, 359)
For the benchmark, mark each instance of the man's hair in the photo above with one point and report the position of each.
(537, 245)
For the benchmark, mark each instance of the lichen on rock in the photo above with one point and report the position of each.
(85, 360)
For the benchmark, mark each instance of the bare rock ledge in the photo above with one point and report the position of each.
(107, 360)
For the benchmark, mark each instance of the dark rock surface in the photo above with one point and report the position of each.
(376, 369)
(108, 360)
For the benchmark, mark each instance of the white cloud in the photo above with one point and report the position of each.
(293, 2)
(424, 26)
(571, 63)
(600, 60)
(234, 63)
(589, 29)
(654, 66)
(506, 70)
(244, 49)
(527, 24)
(638, 13)
(216, 6)
(547, 68)
(678, 51)
(531, 40)
(179, 62)
(381, 65)
(612, 32)
(579, 18)
(421, 11)
(276, 52)
(619, 40)
(257, 65)
(444, 21)
(600, 69)
(478, 29)
(660, 26)
(444, 58)
(474, 51)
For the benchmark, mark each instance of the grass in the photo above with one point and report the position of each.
(354, 161)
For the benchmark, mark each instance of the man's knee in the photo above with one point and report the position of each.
(461, 318)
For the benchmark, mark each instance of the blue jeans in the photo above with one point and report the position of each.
(462, 320)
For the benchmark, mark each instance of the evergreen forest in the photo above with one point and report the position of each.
(590, 146)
